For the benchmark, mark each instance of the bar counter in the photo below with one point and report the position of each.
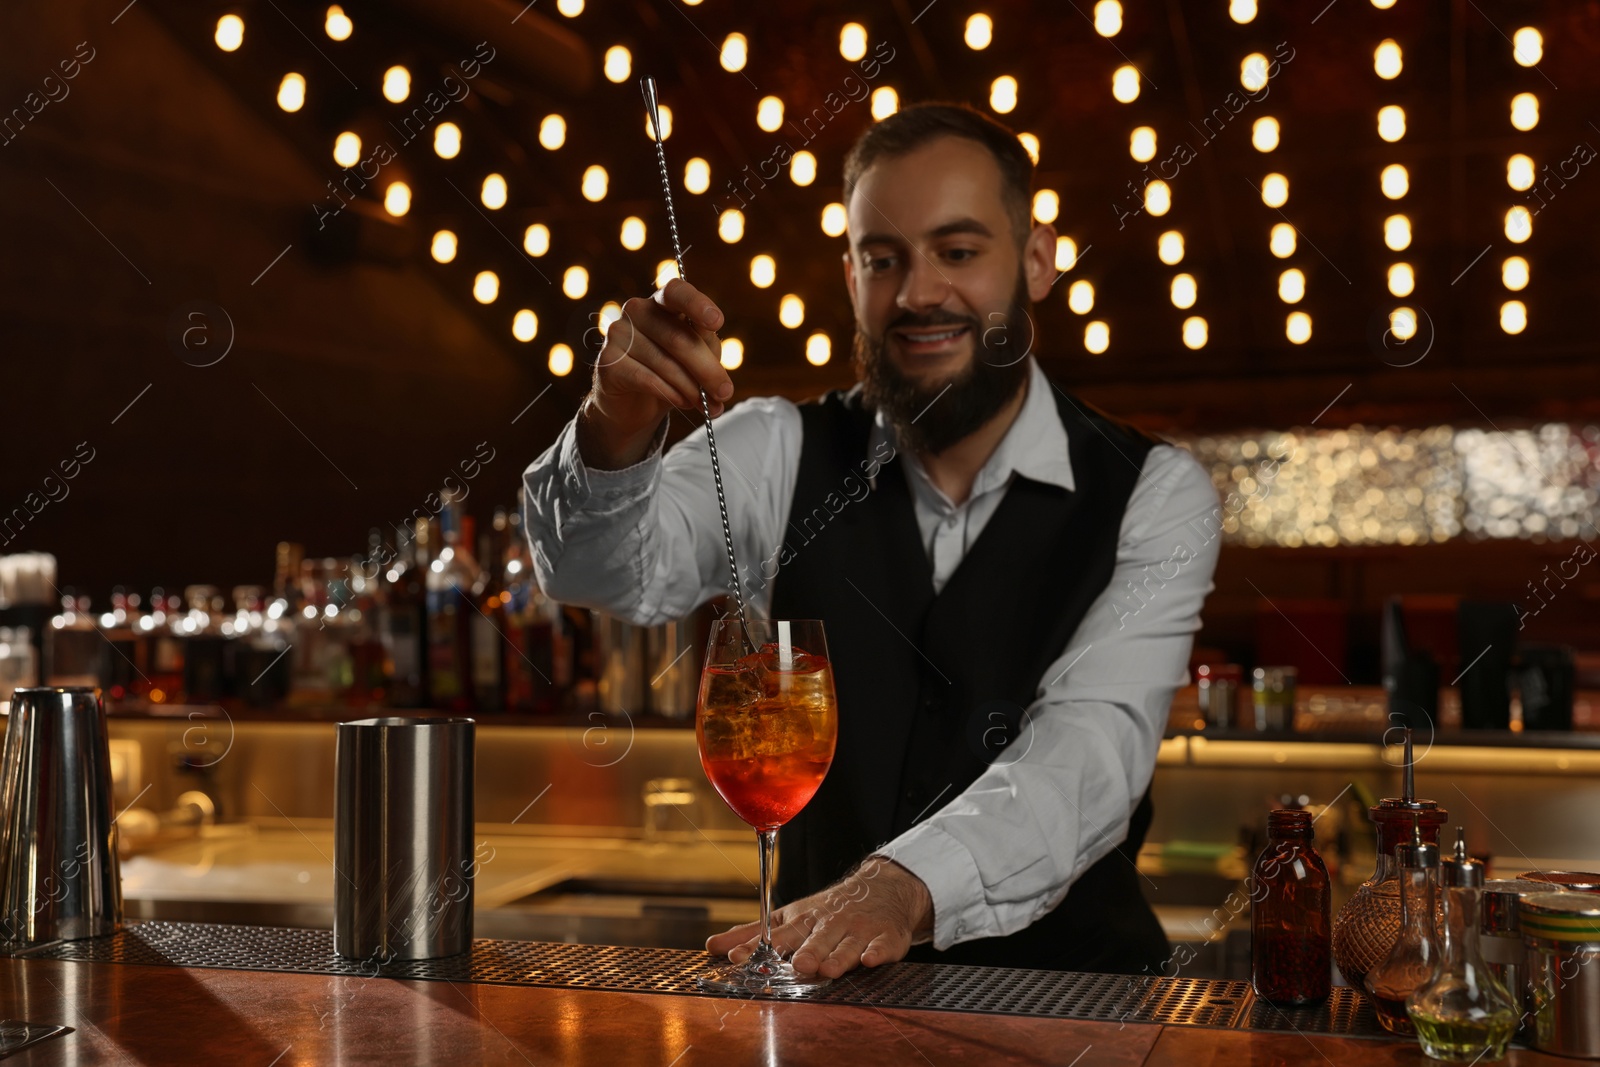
(180, 993)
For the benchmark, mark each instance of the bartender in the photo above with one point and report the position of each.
(1010, 579)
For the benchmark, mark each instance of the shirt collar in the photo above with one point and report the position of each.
(1035, 446)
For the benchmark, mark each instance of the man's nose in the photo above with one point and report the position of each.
(925, 287)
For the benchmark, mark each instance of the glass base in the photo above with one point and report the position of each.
(764, 974)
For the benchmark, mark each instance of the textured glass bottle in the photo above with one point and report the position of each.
(1464, 1014)
(1289, 914)
(1415, 955)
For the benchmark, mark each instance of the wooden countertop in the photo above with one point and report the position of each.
(133, 1014)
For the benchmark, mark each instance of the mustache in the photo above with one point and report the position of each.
(913, 319)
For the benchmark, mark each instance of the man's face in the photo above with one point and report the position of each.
(940, 284)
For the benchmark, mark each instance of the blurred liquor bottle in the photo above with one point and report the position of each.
(119, 670)
(160, 653)
(73, 644)
(258, 656)
(451, 578)
(205, 674)
(404, 626)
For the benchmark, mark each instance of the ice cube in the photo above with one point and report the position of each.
(781, 727)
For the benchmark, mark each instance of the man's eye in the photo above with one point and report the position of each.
(879, 264)
(960, 255)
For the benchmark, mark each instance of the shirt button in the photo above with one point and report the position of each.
(951, 521)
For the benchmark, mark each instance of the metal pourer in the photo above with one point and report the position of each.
(1460, 870)
(1417, 853)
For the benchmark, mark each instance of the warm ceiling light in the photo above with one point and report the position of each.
(1527, 46)
(570, 8)
(552, 132)
(525, 326)
(1394, 181)
(1030, 144)
(834, 220)
(885, 102)
(292, 92)
(396, 84)
(818, 349)
(618, 64)
(1386, 60)
(1242, 11)
(1097, 337)
(1125, 84)
(1383, 5)
(536, 239)
(1514, 273)
(1402, 279)
(1066, 253)
(347, 149)
(1283, 240)
(1519, 172)
(1253, 72)
(732, 353)
(769, 113)
(632, 233)
(792, 311)
(1403, 324)
(493, 193)
(230, 33)
(337, 24)
(1195, 332)
(730, 225)
(610, 312)
(697, 175)
(1292, 286)
(1274, 190)
(803, 168)
(980, 32)
(735, 52)
(763, 271)
(1391, 122)
(486, 286)
(1298, 327)
(575, 283)
(595, 183)
(447, 140)
(1513, 316)
(1158, 197)
(1264, 133)
(1108, 18)
(853, 41)
(1080, 297)
(1046, 205)
(1519, 225)
(666, 270)
(1524, 111)
(1142, 144)
(560, 360)
(1169, 247)
(1397, 233)
(666, 123)
(397, 198)
(1184, 291)
(1003, 94)
(444, 246)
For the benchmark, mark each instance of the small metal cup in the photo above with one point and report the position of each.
(403, 838)
(58, 839)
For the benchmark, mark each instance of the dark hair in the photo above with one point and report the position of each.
(919, 124)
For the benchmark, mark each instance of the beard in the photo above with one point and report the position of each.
(931, 418)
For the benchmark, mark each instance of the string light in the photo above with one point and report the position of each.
(1157, 197)
(1282, 241)
(1242, 11)
(1097, 337)
(1066, 254)
(1125, 84)
(1169, 248)
(732, 353)
(1519, 224)
(1386, 60)
(633, 233)
(1080, 297)
(536, 239)
(1394, 181)
(1513, 316)
(1264, 133)
(1524, 111)
(618, 64)
(979, 33)
(396, 84)
(1274, 190)
(447, 140)
(230, 33)
(791, 311)
(561, 360)
(397, 198)
(575, 283)
(1030, 143)
(666, 270)
(1391, 122)
(885, 102)
(853, 41)
(486, 286)
(1527, 46)
(444, 246)
(1519, 172)
(610, 312)
(1142, 144)
(1403, 323)
(1108, 18)
(666, 123)
(1046, 205)
(735, 53)
(818, 349)
(1402, 279)
(1184, 291)
(552, 132)
(1298, 327)
(834, 220)
(803, 168)
(292, 92)
(1195, 332)
(570, 8)
(763, 271)
(1253, 72)
(595, 182)
(493, 194)
(337, 24)
(1397, 233)
(1003, 94)
(347, 149)
(525, 326)
(730, 225)
(1383, 5)
(769, 113)
(697, 175)
(1292, 286)
(1514, 273)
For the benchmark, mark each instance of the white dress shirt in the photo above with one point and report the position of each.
(645, 544)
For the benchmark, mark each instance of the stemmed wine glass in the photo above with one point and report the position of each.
(766, 723)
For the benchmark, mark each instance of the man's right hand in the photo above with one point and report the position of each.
(657, 356)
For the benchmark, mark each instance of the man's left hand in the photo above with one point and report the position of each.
(870, 917)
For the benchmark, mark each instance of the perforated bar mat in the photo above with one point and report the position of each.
(935, 987)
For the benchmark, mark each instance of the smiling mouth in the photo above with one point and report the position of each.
(931, 338)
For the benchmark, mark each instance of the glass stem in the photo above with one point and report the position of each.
(768, 840)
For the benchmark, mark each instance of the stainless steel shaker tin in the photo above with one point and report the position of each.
(1562, 934)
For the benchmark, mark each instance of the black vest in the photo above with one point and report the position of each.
(932, 688)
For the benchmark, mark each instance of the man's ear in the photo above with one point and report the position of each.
(850, 281)
(1039, 261)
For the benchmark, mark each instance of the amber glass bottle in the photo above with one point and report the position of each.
(1290, 929)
